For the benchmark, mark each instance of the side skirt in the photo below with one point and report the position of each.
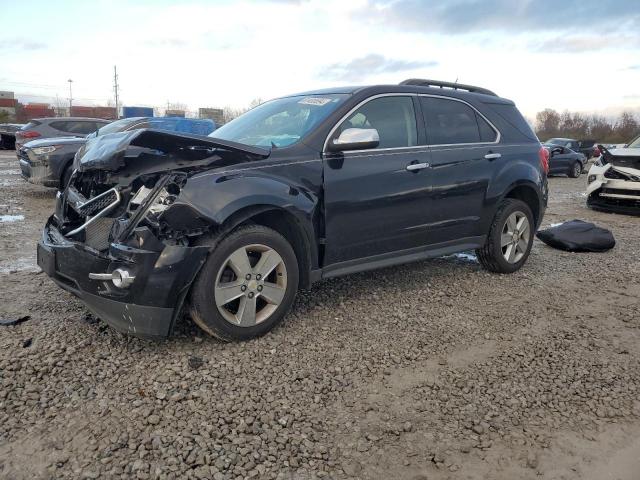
(402, 256)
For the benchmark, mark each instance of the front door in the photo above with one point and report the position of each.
(560, 160)
(374, 204)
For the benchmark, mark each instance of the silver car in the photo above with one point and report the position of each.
(57, 127)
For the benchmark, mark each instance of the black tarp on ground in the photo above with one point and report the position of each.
(578, 236)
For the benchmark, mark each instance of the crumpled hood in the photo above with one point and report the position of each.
(47, 142)
(115, 150)
(625, 152)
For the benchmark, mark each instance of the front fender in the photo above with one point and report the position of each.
(217, 197)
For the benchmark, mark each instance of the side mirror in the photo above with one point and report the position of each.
(355, 139)
(556, 151)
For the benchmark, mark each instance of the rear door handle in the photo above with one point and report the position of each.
(412, 167)
(492, 156)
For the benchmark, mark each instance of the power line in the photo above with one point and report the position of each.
(115, 89)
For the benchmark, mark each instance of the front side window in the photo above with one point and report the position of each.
(393, 117)
(280, 123)
(450, 122)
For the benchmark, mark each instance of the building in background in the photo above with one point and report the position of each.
(174, 113)
(108, 113)
(215, 114)
(27, 112)
(8, 106)
(128, 112)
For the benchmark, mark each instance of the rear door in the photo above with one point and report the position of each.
(465, 154)
(374, 205)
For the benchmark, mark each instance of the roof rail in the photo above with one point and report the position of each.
(419, 82)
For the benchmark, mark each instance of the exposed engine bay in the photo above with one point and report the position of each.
(130, 181)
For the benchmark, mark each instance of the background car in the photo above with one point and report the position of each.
(613, 183)
(8, 135)
(563, 160)
(586, 147)
(58, 127)
(48, 161)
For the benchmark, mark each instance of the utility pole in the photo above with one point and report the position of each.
(70, 96)
(115, 89)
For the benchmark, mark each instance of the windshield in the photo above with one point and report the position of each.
(635, 143)
(117, 126)
(280, 122)
(557, 141)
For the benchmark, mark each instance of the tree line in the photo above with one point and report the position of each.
(549, 124)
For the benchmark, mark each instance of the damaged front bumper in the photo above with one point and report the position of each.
(36, 169)
(149, 305)
(614, 189)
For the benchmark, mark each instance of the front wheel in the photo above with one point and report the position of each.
(510, 238)
(576, 170)
(247, 285)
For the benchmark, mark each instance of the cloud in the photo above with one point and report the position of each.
(166, 42)
(372, 64)
(19, 43)
(464, 16)
(587, 43)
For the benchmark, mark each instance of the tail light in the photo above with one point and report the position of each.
(27, 134)
(544, 159)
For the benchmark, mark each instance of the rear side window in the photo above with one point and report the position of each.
(62, 126)
(393, 117)
(487, 133)
(452, 122)
(511, 115)
(75, 126)
(81, 128)
(31, 124)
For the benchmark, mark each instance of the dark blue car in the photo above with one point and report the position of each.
(48, 161)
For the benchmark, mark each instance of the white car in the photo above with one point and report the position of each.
(613, 183)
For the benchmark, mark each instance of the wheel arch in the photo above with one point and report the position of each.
(528, 193)
(287, 224)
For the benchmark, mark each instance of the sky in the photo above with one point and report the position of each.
(580, 55)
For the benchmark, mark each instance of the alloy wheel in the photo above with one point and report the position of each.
(577, 169)
(250, 285)
(514, 239)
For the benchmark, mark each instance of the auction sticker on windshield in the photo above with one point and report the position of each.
(319, 101)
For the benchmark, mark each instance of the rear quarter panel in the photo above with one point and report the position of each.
(518, 166)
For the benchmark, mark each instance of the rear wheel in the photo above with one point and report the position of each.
(247, 285)
(510, 238)
(575, 170)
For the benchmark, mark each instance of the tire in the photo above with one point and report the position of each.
(576, 170)
(218, 281)
(492, 255)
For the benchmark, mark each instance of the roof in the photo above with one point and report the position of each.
(489, 97)
(72, 119)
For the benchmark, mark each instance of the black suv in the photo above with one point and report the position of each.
(301, 188)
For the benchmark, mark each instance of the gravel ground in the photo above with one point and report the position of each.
(434, 370)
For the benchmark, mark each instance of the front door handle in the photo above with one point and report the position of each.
(412, 167)
(492, 156)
